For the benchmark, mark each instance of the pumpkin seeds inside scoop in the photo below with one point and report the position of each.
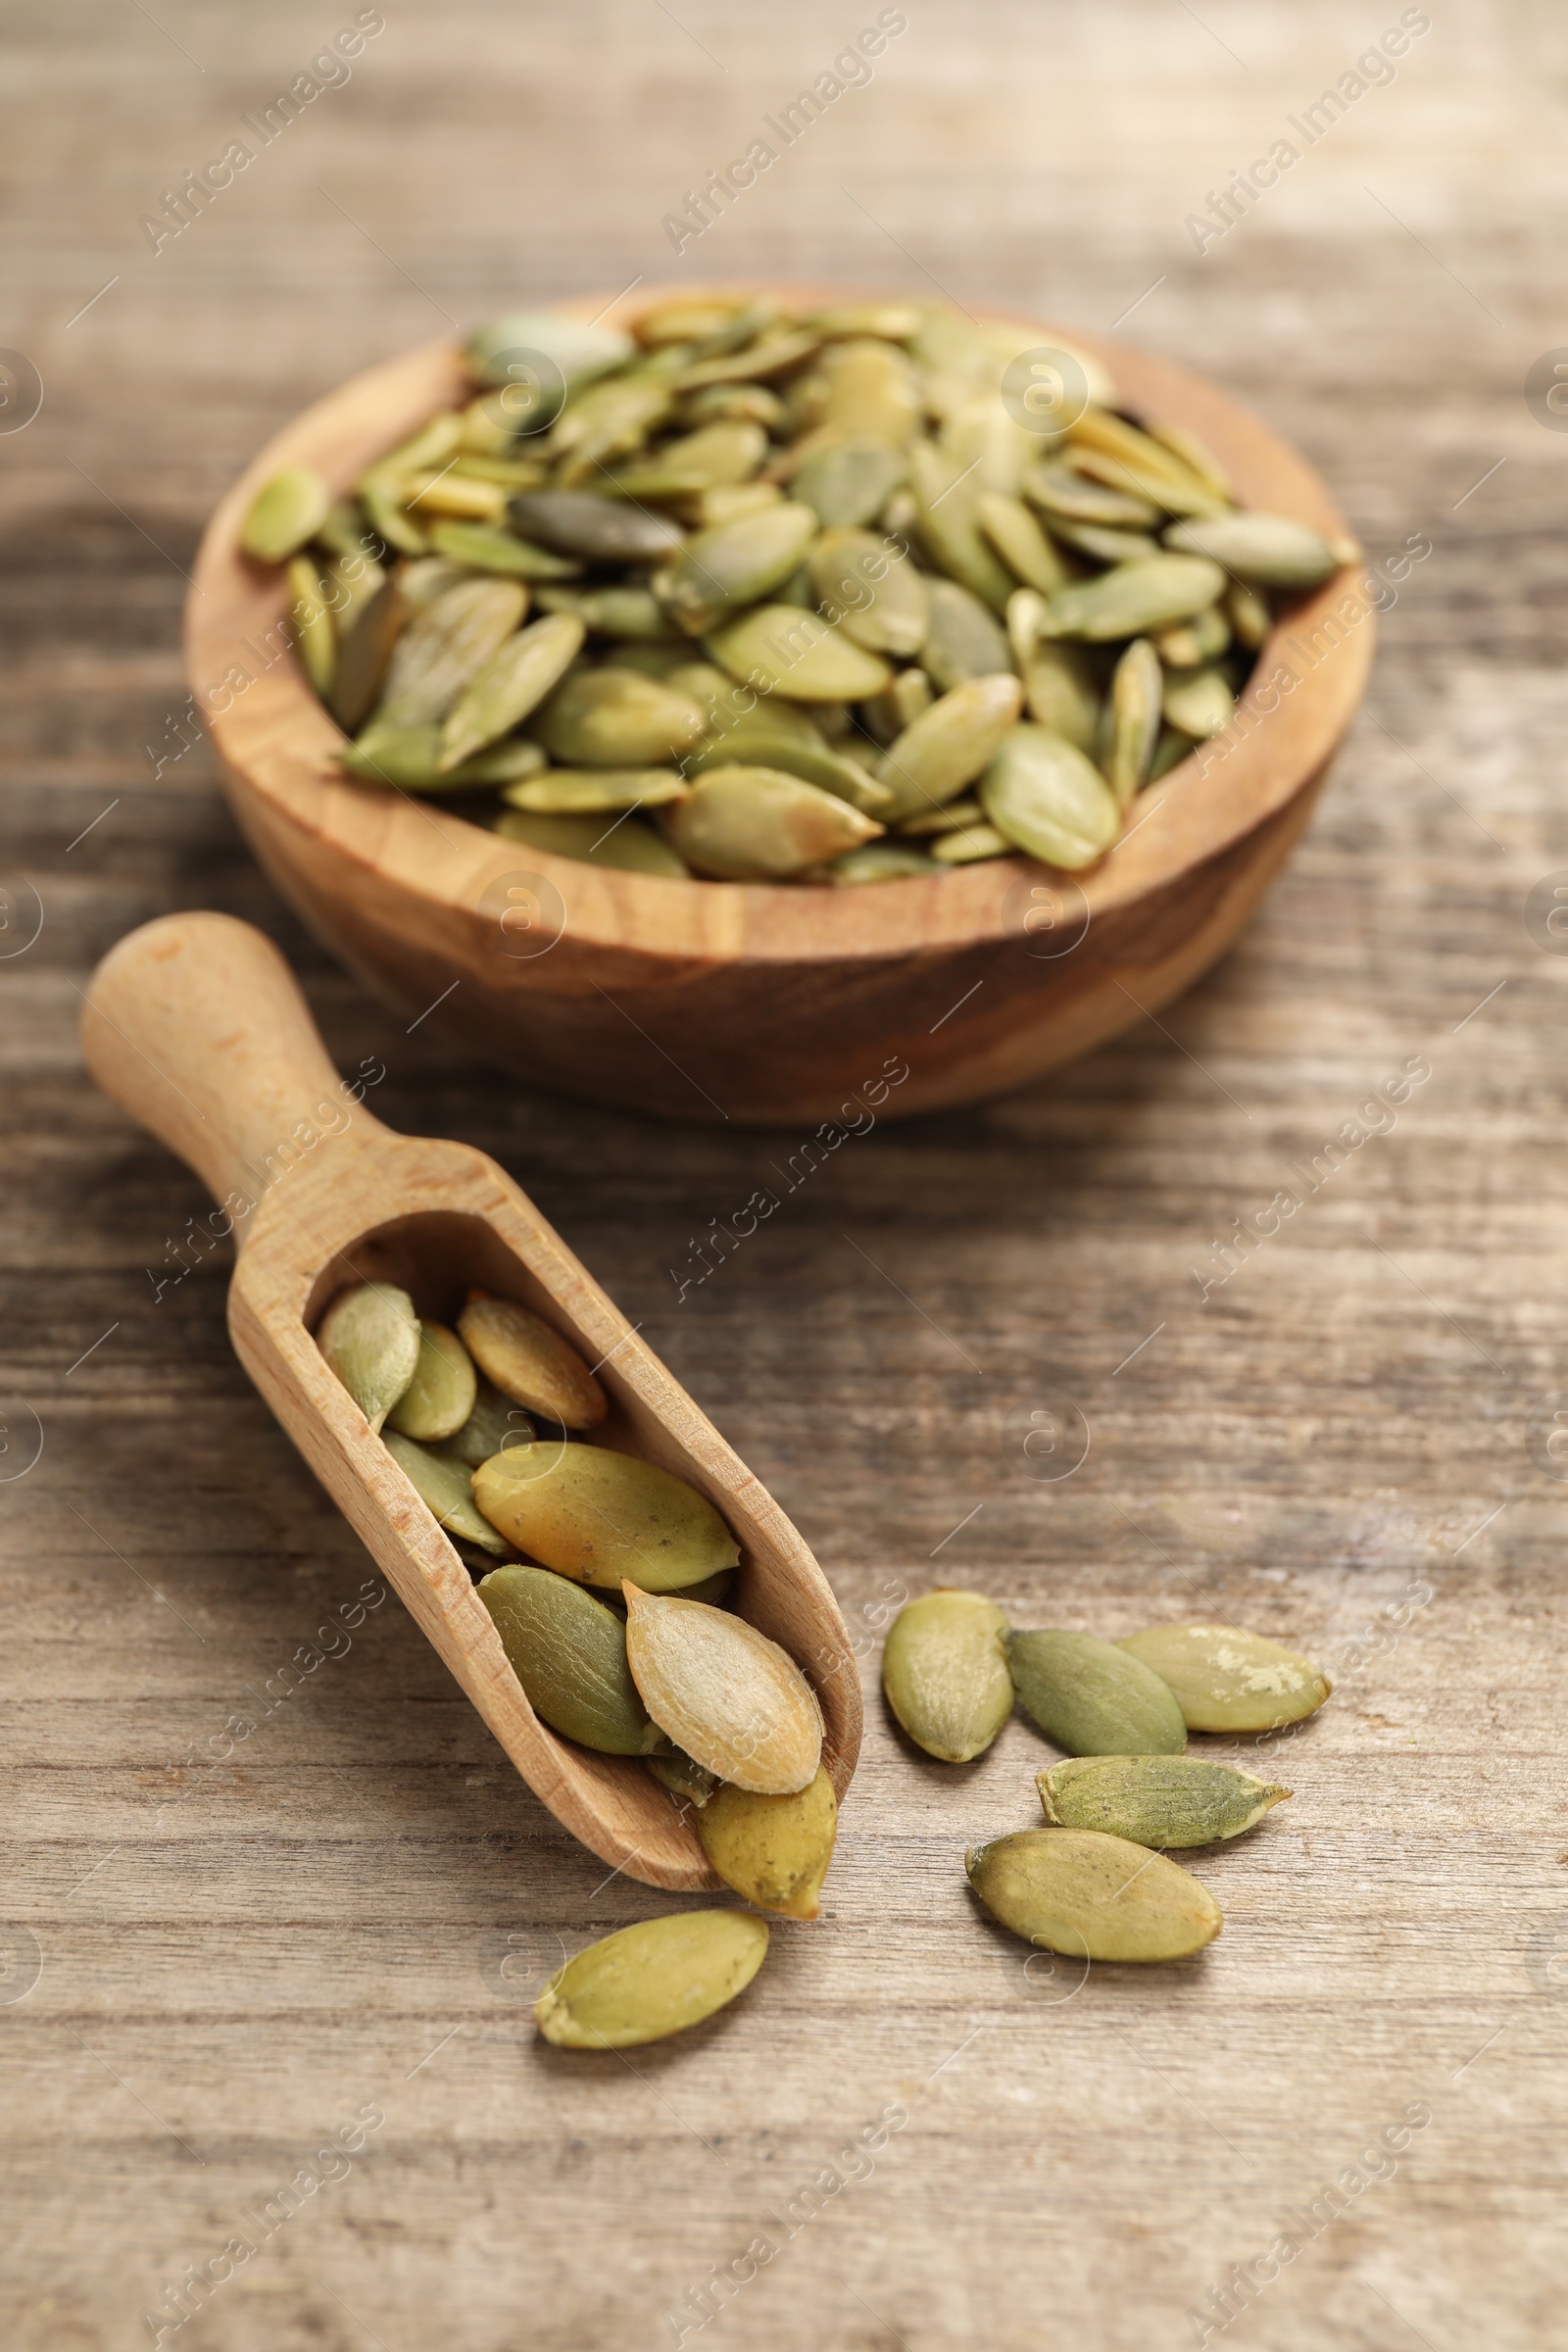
(369, 1336)
(446, 1490)
(568, 1651)
(440, 1397)
(529, 1362)
(604, 1518)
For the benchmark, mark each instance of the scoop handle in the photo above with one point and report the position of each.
(196, 1026)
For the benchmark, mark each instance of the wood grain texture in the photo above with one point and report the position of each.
(352, 1905)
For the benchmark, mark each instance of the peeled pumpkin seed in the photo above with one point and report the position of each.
(581, 352)
(724, 1693)
(444, 1487)
(1120, 455)
(947, 514)
(1193, 641)
(1134, 598)
(604, 1519)
(1064, 495)
(614, 717)
(1092, 1897)
(944, 1672)
(1227, 1681)
(485, 547)
(1045, 796)
(1200, 702)
(609, 420)
(962, 640)
(762, 742)
(725, 451)
(1247, 610)
(754, 823)
(427, 496)
(594, 790)
(1104, 546)
(951, 818)
(1134, 710)
(1157, 1801)
(633, 614)
(284, 513)
(879, 862)
(651, 1979)
(897, 320)
(735, 563)
(1020, 542)
(683, 1776)
(970, 845)
(778, 649)
(848, 482)
(366, 643)
(1080, 1692)
(876, 598)
(624, 844)
(1268, 550)
(407, 757)
(568, 1651)
(493, 1424)
(869, 393)
(948, 746)
(528, 1360)
(370, 1336)
(446, 645)
(315, 637)
(1169, 752)
(898, 706)
(1196, 455)
(602, 530)
(522, 671)
(1060, 693)
(440, 1397)
(772, 1849)
(751, 400)
(723, 504)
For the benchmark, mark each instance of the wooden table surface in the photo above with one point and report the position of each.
(251, 1937)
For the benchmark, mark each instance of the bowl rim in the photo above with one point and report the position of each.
(276, 741)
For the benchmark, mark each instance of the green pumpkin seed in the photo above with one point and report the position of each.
(712, 507)
(1064, 495)
(1044, 796)
(896, 321)
(762, 741)
(948, 746)
(683, 321)
(515, 681)
(494, 1424)
(757, 824)
(879, 862)
(653, 1980)
(1111, 451)
(315, 637)
(1200, 702)
(947, 519)
(715, 454)
(962, 640)
(769, 355)
(1020, 542)
(987, 445)
(407, 757)
(459, 496)
(896, 707)
(601, 530)
(486, 546)
(634, 614)
(1193, 642)
(1268, 550)
(1134, 713)
(381, 496)
(1169, 752)
(869, 393)
(425, 578)
(367, 647)
(1134, 598)
(944, 1672)
(1092, 539)
(603, 1518)
(848, 482)
(580, 352)
(1092, 1898)
(592, 791)
(1195, 455)
(1227, 1681)
(735, 563)
(1247, 610)
(878, 598)
(752, 402)
(445, 1488)
(285, 513)
(623, 842)
(1156, 1801)
(369, 1336)
(614, 717)
(724, 1693)
(609, 420)
(528, 1360)
(1060, 693)
(446, 645)
(772, 1849)
(568, 1651)
(439, 1398)
(1080, 1692)
(951, 819)
(683, 1776)
(716, 1590)
(778, 649)
(970, 845)
(344, 531)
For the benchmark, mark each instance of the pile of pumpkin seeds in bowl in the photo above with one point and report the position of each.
(607, 1578)
(1097, 1883)
(753, 594)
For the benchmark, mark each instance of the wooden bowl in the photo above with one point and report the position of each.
(761, 1004)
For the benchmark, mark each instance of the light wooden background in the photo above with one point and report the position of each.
(354, 1909)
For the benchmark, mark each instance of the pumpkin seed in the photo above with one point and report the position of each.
(1111, 451)
(970, 845)
(1134, 598)
(285, 513)
(947, 518)
(1169, 752)
(440, 1397)
(486, 546)
(869, 393)
(315, 637)
(1228, 1681)
(1200, 702)
(366, 646)
(625, 844)
(350, 584)
(1060, 693)
(962, 640)
(772, 1849)
(755, 825)
(528, 1360)
(494, 1424)
(848, 482)
(710, 507)
(604, 1518)
(896, 707)
(896, 322)
(944, 1672)
(459, 496)
(1134, 710)
(601, 530)
(754, 402)
(723, 453)
(381, 498)
(651, 1979)
(1065, 496)
(446, 645)
(1020, 542)
(369, 1336)
(614, 717)
(568, 1651)
(770, 355)
(1155, 1800)
(1079, 1691)
(1247, 610)
(407, 757)
(778, 649)
(444, 1487)
(514, 680)
(735, 563)
(1193, 641)
(988, 444)
(763, 740)
(1092, 1898)
(594, 790)
(609, 420)
(877, 599)
(948, 746)
(1107, 547)
(632, 613)
(724, 1693)
(425, 578)
(879, 862)
(683, 1776)
(1196, 455)
(580, 352)
(682, 321)
(1044, 796)
(1268, 550)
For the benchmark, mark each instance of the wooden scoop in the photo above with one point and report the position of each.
(194, 1024)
